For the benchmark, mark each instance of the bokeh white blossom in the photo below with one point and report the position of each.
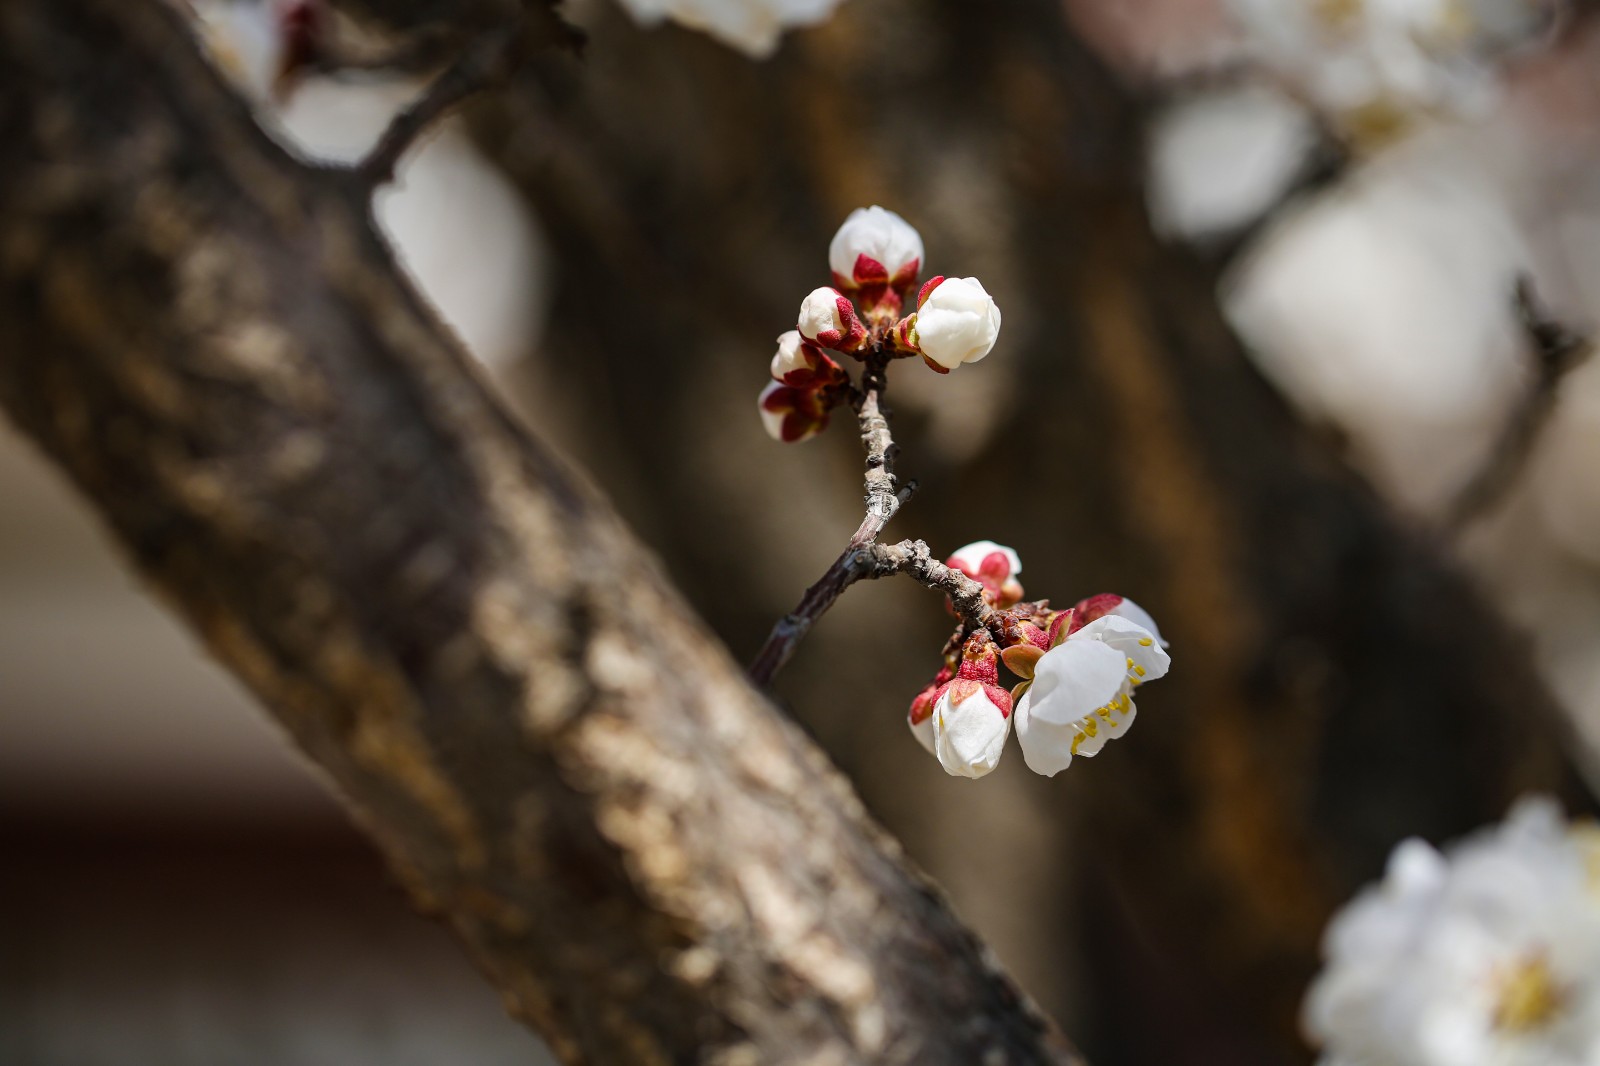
(752, 26)
(1487, 954)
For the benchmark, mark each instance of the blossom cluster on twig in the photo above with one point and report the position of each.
(1076, 668)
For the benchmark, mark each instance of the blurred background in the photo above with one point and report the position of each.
(1257, 266)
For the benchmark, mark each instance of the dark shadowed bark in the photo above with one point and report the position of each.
(649, 862)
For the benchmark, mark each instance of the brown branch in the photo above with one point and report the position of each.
(882, 501)
(915, 558)
(489, 60)
(1556, 351)
(647, 859)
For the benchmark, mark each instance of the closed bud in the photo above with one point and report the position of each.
(828, 318)
(875, 247)
(971, 720)
(802, 364)
(790, 414)
(956, 322)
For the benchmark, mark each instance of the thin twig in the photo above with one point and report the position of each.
(915, 558)
(1556, 351)
(490, 60)
(853, 564)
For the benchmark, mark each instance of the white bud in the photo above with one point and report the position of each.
(819, 314)
(878, 234)
(789, 357)
(923, 731)
(771, 421)
(957, 323)
(970, 558)
(969, 731)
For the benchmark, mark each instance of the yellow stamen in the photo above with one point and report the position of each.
(1145, 642)
(1079, 739)
(1528, 997)
(1139, 670)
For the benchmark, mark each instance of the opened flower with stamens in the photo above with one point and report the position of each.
(956, 322)
(994, 566)
(1087, 610)
(803, 365)
(1080, 692)
(790, 414)
(878, 255)
(828, 319)
(1487, 954)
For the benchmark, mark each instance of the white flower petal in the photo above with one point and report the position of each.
(771, 421)
(958, 323)
(970, 736)
(923, 731)
(819, 313)
(877, 233)
(1147, 660)
(971, 556)
(752, 26)
(1075, 679)
(789, 357)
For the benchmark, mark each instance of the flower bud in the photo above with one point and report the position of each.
(829, 319)
(994, 566)
(971, 721)
(802, 364)
(957, 322)
(920, 718)
(875, 247)
(790, 414)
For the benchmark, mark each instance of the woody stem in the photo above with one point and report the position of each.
(853, 563)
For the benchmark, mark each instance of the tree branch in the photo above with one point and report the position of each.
(1556, 351)
(649, 862)
(489, 60)
(882, 501)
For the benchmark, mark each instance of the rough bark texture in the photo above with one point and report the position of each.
(551, 750)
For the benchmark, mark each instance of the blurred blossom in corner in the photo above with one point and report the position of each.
(1487, 954)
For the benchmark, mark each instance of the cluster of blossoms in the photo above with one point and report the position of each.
(1369, 65)
(876, 258)
(1078, 669)
(1486, 955)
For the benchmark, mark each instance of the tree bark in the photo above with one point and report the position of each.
(554, 754)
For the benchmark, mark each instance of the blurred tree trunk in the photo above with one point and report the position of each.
(1337, 684)
(650, 863)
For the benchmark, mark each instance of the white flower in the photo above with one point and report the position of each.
(875, 246)
(752, 26)
(1081, 694)
(970, 727)
(1486, 956)
(957, 322)
(1087, 610)
(970, 558)
(1374, 64)
(1220, 159)
(828, 318)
